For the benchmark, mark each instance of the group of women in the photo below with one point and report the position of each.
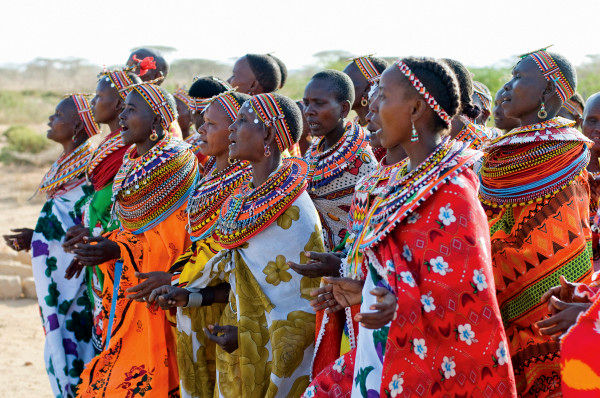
(228, 241)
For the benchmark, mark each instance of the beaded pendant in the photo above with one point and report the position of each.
(249, 210)
(210, 193)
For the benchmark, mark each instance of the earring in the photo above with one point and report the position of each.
(231, 161)
(153, 136)
(364, 101)
(267, 151)
(542, 114)
(415, 136)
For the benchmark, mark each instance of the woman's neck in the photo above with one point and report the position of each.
(221, 161)
(262, 169)
(395, 155)
(143, 147)
(533, 118)
(113, 125)
(361, 112)
(418, 151)
(70, 145)
(333, 136)
(594, 164)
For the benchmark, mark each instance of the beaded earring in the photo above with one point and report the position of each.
(153, 136)
(542, 114)
(364, 101)
(415, 136)
(267, 151)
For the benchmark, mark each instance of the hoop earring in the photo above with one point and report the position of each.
(364, 101)
(542, 114)
(267, 151)
(414, 136)
(230, 161)
(153, 136)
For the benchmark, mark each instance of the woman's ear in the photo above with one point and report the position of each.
(269, 135)
(418, 110)
(346, 107)
(255, 87)
(157, 126)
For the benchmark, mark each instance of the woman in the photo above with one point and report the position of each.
(266, 334)
(256, 74)
(150, 193)
(108, 102)
(184, 118)
(538, 210)
(339, 156)
(591, 129)
(429, 322)
(64, 306)
(573, 109)
(195, 352)
(364, 71)
(501, 121)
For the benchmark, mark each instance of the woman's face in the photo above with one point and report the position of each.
(501, 121)
(361, 85)
(524, 92)
(393, 112)
(64, 123)
(106, 104)
(372, 126)
(185, 117)
(137, 119)
(214, 133)
(591, 122)
(242, 78)
(247, 136)
(322, 109)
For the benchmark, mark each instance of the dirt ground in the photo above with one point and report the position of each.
(21, 336)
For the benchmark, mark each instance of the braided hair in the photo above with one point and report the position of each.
(266, 70)
(440, 82)
(465, 85)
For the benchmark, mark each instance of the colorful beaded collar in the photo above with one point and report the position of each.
(194, 140)
(249, 211)
(406, 192)
(210, 193)
(66, 169)
(473, 134)
(555, 129)
(109, 145)
(326, 166)
(148, 188)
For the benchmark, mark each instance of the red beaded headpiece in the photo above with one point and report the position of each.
(182, 95)
(270, 113)
(552, 73)
(118, 78)
(230, 104)
(366, 68)
(84, 110)
(414, 80)
(573, 107)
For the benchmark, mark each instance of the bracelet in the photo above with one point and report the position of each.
(194, 300)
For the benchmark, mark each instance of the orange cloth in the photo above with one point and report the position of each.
(140, 359)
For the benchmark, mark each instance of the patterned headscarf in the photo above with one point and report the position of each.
(269, 112)
(484, 95)
(84, 110)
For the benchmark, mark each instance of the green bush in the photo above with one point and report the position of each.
(24, 139)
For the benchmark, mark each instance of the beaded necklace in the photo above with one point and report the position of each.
(326, 166)
(406, 191)
(206, 201)
(249, 210)
(65, 169)
(532, 163)
(473, 134)
(149, 187)
(109, 145)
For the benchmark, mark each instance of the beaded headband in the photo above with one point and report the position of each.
(156, 100)
(414, 80)
(230, 104)
(552, 73)
(483, 93)
(366, 67)
(198, 105)
(573, 107)
(118, 79)
(182, 95)
(270, 113)
(84, 110)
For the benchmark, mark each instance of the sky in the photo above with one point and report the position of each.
(476, 32)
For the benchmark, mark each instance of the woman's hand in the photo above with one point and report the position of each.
(75, 235)
(565, 291)
(319, 264)
(20, 240)
(565, 316)
(337, 294)
(95, 251)
(169, 297)
(384, 310)
(225, 336)
(152, 281)
(74, 269)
